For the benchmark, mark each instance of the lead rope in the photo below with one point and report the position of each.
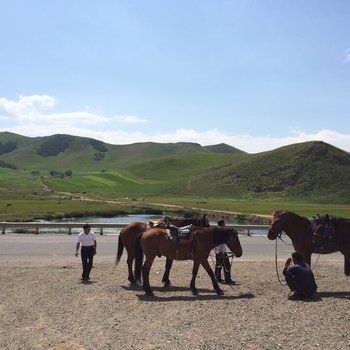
(277, 273)
(315, 264)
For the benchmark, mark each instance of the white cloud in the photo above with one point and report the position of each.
(36, 109)
(347, 57)
(130, 119)
(26, 107)
(32, 116)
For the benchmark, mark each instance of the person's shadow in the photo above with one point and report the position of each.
(338, 295)
(319, 296)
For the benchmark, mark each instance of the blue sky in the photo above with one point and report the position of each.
(253, 74)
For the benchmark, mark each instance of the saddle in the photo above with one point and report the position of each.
(326, 239)
(180, 235)
(153, 223)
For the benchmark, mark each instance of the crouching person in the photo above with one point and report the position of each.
(299, 277)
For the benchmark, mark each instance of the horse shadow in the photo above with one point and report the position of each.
(86, 283)
(204, 294)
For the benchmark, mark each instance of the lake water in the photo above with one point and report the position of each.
(141, 218)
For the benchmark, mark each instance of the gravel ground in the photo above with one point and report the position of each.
(44, 306)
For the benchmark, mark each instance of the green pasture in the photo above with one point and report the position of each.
(14, 184)
(48, 208)
(24, 196)
(253, 206)
(107, 185)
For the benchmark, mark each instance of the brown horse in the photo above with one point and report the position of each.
(298, 228)
(129, 233)
(300, 231)
(157, 242)
(332, 235)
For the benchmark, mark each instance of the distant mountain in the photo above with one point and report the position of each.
(86, 154)
(222, 148)
(314, 171)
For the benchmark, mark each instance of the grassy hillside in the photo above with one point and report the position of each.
(84, 154)
(313, 171)
(186, 174)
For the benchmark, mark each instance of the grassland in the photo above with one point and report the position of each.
(307, 178)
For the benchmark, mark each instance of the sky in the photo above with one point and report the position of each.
(256, 75)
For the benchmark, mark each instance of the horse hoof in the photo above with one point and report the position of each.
(194, 291)
(220, 292)
(166, 285)
(149, 294)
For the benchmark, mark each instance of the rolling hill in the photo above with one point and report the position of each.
(315, 171)
(312, 171)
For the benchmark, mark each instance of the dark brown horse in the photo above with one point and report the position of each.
(300, 231)
(129, 233)
(298, 228)
(157, 242)
(331, 235)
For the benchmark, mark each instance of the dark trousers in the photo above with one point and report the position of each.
(222, 261)
(87, 257)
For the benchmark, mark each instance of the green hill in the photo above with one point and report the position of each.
(79, 153)
(315, 171)
(310, 171)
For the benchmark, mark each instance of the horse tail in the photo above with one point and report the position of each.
(138, 258)
(120, 248)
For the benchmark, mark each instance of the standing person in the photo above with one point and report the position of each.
(299, 277)
(87, 240)
(222, 260)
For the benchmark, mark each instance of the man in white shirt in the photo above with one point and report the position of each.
(87, 240)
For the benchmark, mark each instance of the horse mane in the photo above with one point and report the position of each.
(195, 221)
(278, 213)
(220, 235)
(330, 219)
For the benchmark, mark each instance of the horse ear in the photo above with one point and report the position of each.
(277, 214)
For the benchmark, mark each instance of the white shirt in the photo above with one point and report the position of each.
(86, 240)
(221, 248)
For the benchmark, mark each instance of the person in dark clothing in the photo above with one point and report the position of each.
(299, 277)
(222, 261)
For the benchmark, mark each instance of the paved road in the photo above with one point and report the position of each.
(51, 248)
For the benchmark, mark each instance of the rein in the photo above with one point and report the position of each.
(277, 273)
(315, 264)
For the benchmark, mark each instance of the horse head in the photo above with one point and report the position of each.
(229, 236)
(234, 243)
(277, 225)
(203, 221)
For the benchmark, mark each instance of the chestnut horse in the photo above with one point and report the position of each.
(298, 228)
(156, 242)
(300, 231)
(129, 233)
(332, 235)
